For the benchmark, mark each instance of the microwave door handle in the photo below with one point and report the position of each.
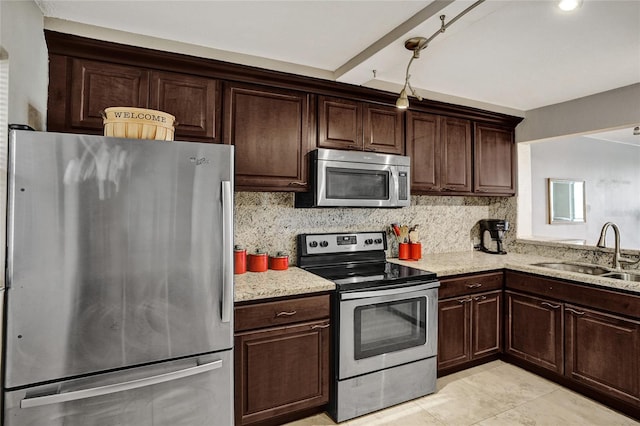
(396, 187)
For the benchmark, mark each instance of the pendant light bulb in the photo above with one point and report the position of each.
(403, 100)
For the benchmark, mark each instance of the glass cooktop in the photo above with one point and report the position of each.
(353, 276)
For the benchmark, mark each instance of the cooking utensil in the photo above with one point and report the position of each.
(396, 231)
(414, 235)
(404, 234)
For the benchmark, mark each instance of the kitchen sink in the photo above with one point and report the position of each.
(623, 276)
(575, 267)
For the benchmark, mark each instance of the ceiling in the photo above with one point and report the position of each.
(515, 54)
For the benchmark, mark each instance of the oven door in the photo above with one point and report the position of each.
(386, 327)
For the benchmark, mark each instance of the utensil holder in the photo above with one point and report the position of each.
(415, 251)
(403, 251)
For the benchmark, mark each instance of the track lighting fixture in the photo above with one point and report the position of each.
(417, 44)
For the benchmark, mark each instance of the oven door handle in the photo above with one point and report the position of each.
(375, 293)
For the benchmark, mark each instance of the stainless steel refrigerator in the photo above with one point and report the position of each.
(119, 282)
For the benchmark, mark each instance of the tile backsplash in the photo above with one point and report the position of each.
(268, 220)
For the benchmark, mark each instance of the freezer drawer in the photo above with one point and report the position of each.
(189, 392)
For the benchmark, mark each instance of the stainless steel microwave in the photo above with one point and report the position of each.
(356, 179)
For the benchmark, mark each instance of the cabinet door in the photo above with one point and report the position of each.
(494, 160)
(486, 323)
(99, 85)
(194, 101)
(339, 123)
(280, 370)
(270, 131)
(383, 129)
(603, 352)
(454, 332)
(455, 155)
(423, 147)
(534, 331)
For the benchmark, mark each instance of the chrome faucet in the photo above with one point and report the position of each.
(617, 257)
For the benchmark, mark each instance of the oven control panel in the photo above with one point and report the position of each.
(343, 243)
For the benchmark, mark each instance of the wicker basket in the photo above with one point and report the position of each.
(138, 123)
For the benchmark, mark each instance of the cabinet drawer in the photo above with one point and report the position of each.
(452, 287)
(281, 312)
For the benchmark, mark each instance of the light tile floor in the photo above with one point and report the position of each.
(496, 393)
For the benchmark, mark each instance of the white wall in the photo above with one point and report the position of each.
(22, 38)
(611, 172)
(24, 79)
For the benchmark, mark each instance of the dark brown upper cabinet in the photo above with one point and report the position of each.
(194, 101)
(440, 151)
(99, 85)
(87, 75)
(353, 125)
(88, 87)
(270, 129)
(494, 160)
(455, 155)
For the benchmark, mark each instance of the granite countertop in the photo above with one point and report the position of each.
(291, 282)
(448, 264)
(295, 281)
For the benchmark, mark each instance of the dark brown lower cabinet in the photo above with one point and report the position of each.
(603, 352)
(283, 369)
(469, 328)
(534, 331)
(583, 337)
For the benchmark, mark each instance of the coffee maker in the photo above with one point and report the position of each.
(492, 230)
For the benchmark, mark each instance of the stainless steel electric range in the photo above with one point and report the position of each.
(384, 322)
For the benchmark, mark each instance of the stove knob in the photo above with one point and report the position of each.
(313, 244)
(378, 240)
(369, 241)
(323, 244)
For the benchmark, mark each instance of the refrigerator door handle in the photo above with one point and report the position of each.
(227, 250)
(118, 387)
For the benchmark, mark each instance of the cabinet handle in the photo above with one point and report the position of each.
(297, 184)
(444, 188)
(315, 327)
(480, 298)
(468, 299)
(286, 314)
(477, 285)
(549, 305)
(482, 190)
(574, 311)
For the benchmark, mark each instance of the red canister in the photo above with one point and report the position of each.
(279, 262)
(239, 260)
(258, 261)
